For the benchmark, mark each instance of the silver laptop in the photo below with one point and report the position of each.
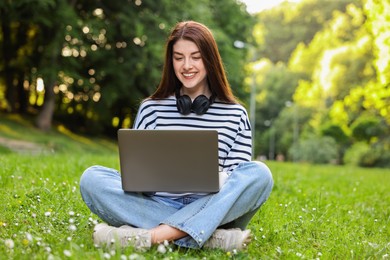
(169, 160)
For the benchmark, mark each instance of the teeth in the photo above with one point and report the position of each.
(188, 74)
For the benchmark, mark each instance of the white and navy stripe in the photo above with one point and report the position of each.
(230, 120)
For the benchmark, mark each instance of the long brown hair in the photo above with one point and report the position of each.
(203, 38)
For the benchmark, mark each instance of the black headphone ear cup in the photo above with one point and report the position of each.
(200, 105)
(184, 104)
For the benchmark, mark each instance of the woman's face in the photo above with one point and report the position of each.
(189, 68)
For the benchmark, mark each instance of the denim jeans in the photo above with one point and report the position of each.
(245, 190)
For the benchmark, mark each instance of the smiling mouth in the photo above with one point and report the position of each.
(188, 75)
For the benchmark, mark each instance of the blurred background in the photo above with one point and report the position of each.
(313, 74)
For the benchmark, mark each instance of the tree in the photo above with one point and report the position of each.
(99, 59)
(50, 62)
(378, 23)
(281, 29)
(275, 86)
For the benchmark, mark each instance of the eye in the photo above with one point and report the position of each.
(178, 58)
(197, 57)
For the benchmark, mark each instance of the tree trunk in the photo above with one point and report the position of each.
(45, 116)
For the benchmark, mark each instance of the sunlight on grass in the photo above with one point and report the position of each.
(6, 129)
(55, 141)
(62, 129)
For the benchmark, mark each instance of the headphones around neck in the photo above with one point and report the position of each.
(199, 106)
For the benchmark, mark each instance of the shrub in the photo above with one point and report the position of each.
(355, 153)
(365, 128)
(315, 150)
(363, 154)
(336, 132)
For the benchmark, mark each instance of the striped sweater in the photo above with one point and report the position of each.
(230, 120)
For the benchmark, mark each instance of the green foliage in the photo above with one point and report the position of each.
(378, 156)
(315, 149)
(101, 58)
(281, 29)
(286, 127)
(355, 154)
(275, 88)
(336, 132)
(365, 128)
(339, 76)
(327, 58)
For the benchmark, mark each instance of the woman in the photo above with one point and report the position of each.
(193, 94)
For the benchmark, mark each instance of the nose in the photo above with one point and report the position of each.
(187, 64)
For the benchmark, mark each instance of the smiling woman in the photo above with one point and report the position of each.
(193, 94)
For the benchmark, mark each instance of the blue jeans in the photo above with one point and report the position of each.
(246, 189)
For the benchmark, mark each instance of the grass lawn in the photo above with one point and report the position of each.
(324, 212)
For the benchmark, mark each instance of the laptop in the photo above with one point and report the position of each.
(175, 161)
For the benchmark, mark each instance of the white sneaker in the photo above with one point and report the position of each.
(124, 236)
(229, 239)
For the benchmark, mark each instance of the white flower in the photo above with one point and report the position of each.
(134, 256)
(47, 213)
(9, 243)
(67, 253)
(106, 255)
(71, 213)
(29, 237)
(72, 228)
(161, 249)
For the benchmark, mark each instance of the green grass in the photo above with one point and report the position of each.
(324, 212)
